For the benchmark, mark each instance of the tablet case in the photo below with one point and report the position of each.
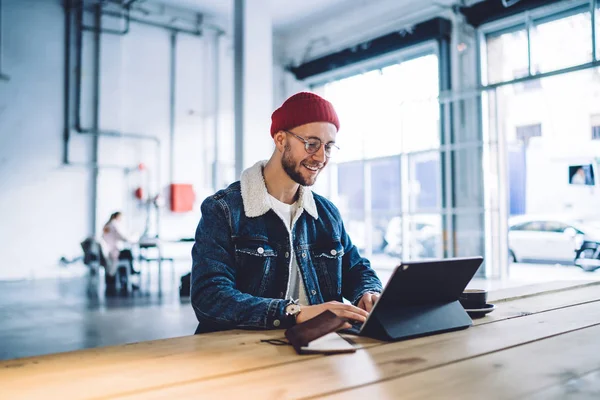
(421, 298)
(414, 321)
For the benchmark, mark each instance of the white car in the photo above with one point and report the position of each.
(550, 239)
(424, 237)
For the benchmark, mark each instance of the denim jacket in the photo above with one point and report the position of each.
(241, 257)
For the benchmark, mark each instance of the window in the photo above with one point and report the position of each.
(424, 182)
(542, 168)
(389, 165)
(389, 111)
(526, 132)
(557, 227)
(595, 127)
(535, 226)
(351, 185)
(562, 42)
(385, 185)
(527, 85)
(511, 48)
(595, 123)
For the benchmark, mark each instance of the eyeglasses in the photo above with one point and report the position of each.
(313, 145)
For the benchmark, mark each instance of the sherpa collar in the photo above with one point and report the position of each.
(256, 198)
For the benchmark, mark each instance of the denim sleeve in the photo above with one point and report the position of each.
(218, 304)
(358, 277)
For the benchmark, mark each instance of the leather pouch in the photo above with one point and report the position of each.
(301, 335)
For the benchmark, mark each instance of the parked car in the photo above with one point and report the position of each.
(588, 256)
(424, 237)
(549, 239)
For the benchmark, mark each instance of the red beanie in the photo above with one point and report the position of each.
(303, 108)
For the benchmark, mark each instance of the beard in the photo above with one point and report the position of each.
(294, 169)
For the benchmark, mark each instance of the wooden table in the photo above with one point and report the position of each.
(542, 342)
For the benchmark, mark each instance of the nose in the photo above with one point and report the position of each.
(320, 155)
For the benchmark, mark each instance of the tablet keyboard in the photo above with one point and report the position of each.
(354, 330)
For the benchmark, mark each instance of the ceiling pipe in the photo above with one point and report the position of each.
(78, 91)
(3, 77)
(593, 6)
(196, 32)
(172, 99)
(216, 178)
(117, 32)
(69, 125)
(67, 81)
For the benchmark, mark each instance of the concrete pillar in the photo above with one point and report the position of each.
(253, 91)
(478, 219)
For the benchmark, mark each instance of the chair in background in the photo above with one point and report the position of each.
(94, 258)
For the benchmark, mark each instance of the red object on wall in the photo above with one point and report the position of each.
(139, 193)
(182, 197)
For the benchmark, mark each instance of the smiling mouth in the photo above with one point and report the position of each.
(311, 168)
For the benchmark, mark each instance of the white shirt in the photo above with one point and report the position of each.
(113, 241)
(578, 179)
(287, 213)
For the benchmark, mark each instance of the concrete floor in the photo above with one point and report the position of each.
(60, 314)
(56, 315)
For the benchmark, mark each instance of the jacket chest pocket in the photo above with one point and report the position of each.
(327, 260)
(254, 261)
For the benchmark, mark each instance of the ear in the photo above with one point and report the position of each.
(279, 139)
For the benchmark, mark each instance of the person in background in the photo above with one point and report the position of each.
(115, 241)
(270, 253)
(579, 177)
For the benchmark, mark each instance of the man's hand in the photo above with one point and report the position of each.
(347, 311)
(367, 301)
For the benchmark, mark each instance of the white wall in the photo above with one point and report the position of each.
(258, 81)
(135, 99)
(285, 84)
(45, 206)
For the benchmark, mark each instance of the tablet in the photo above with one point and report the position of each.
(421, 298)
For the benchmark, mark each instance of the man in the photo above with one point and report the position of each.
(269, 252)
